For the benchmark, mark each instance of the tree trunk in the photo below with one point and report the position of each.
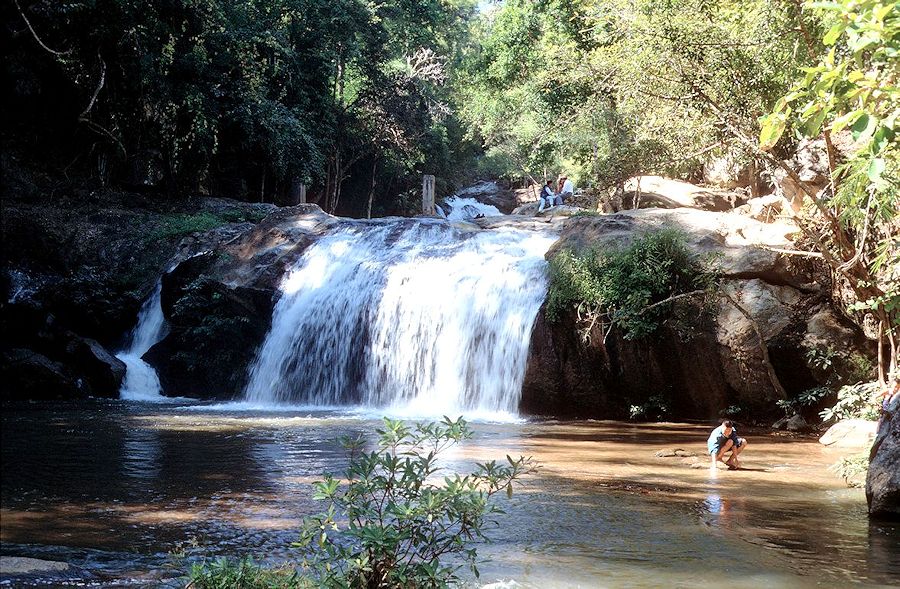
(372, 188)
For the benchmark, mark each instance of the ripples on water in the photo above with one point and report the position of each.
(114, 487)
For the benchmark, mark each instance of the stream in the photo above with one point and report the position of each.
(130, 493)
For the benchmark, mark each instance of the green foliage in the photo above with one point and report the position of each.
(853, 86)
(653, 409)
(608, 89)
(806, 399)
(243, 574)
(853, 469)
(855, 401)
(627, 287)
(398, 521)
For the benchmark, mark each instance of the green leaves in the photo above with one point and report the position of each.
(394, 522)
(772, 127)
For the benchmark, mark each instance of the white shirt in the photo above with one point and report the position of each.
(568, 186)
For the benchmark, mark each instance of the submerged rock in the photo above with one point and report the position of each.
(883, 478)
(18, 565)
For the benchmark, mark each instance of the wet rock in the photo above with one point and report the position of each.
(491, 193)
(883, 478)
(19, 565)
(563, 210)
(856, 434)
(673, 453)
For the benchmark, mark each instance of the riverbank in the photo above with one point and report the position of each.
(602, 510)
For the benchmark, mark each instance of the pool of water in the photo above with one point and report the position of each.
(129, 493)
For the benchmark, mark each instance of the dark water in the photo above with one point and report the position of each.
(131, 493)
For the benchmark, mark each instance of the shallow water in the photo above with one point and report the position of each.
(113, 488)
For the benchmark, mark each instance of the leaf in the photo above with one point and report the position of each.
(509, 490)
(832, 35)
(773, 126)
(842, 121)
(861, 125)
(876, 169)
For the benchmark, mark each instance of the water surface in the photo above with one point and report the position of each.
(115, 487)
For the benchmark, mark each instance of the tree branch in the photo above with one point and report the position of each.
(35, 35)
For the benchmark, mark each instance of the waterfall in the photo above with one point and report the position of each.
(416, 316)
(141, 382)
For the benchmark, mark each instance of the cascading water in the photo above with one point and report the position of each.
(141, 381)
(464, 207)
(417, 316)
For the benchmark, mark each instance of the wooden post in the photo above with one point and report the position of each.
(428, 194)
(298, 192)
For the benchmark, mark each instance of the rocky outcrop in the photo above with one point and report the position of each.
(718, 361)
(78, 270)
(855, 434)
(666, 193)
(218, 302)
(883, 479)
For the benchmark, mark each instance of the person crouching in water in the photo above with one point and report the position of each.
(721, 440)
(547, 196)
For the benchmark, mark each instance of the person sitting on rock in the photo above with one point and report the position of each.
(566, 190)
(721, 440)
(547, 196)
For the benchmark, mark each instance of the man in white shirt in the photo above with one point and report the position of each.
(566, 192)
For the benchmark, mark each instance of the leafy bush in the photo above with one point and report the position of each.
(629, 287)
(806, 399)
(853, 469)
(653, 409)
(243, 574)
(855, 401)
(392, 524)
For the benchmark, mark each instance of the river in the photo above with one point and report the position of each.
(131, 493)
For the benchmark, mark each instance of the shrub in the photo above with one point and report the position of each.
(629, 287)
(855, 401)
(243, 574)
(392, 524)
(804, 400)
(853, 469)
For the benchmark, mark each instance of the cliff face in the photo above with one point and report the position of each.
(716, 361)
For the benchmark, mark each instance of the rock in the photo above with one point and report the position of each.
(555, 211)
(103, 371)
(810, 162)
(660, 192)
(883, 478)
(727, 172)
(27, 374)
(856, 434)
(19, 565)
(766, 208)
(795, 423)
(674, 452)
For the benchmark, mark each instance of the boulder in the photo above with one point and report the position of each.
(491, 193)
(700, 369)
(852, 434)
(667, 193)
(27, 374)
(795, 423)
(883, 478)
(810, 162)
(96, 365)
(766, 208)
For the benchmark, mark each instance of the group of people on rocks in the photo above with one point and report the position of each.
(549, 197)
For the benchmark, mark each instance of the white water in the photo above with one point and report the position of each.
(417, 317)
(141, 381)
(463, 208)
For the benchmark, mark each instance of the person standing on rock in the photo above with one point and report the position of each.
(721, 440)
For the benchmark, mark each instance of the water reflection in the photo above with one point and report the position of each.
(118, 486)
